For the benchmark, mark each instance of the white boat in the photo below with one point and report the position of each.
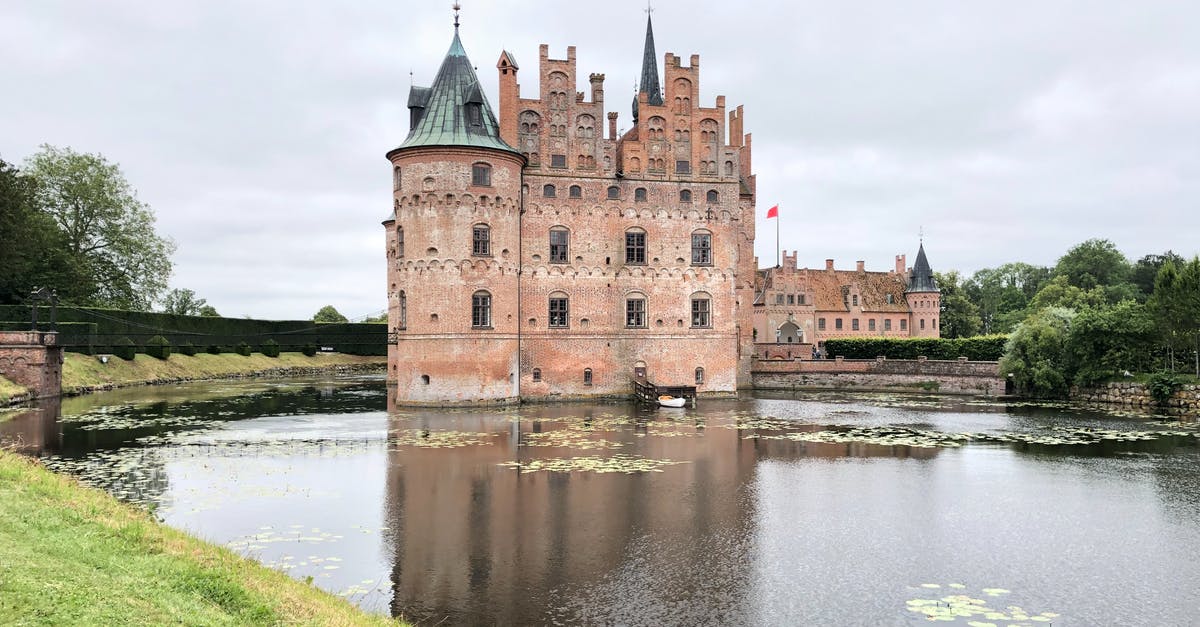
(667, 400)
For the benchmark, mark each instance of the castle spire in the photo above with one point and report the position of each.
(649, 84)
(921, 279)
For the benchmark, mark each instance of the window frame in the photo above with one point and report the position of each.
(631, 310)
(712, 196)
(481, 246)
(685, 195)
(705, 249)
(564, 254)
(481, 310)
(481, 174)
(549, 191)
(396, 179)
(558, 307)
(635, 251)
(403, 322)
(558, 162)
(640, 194)
(614, 192)
(574, 191)
(701, 311)
(399, 241)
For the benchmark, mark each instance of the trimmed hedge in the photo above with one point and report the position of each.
(124, 349)
(270, 348)
(82, 329)
(213, 349)
(980, 348)
(243, 349)
(187, 348)
(159, 347)
(309, 350)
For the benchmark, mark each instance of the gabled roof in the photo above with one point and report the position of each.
(921, 279)
(441, 111)
(506, 59)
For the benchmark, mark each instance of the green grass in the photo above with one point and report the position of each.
(74, 555)
(84, 372)
(8, 389)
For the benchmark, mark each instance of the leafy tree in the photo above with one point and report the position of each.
(1146, 270)
(329, 314)
(1036, 355)
(1094, 263)
(108, 233)
(380, 319)
(183, 302)
(209, 311)
(1175, 305)
(1002, 294)
(1107, 341)
(959, 316)
(1060, 293)
(30, 243)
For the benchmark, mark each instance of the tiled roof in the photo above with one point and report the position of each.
(830, 289)
(445, 120)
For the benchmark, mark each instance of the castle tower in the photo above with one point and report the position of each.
(924, 299)
(452, 246)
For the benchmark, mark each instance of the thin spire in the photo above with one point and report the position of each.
(649, 84)
(456, 8)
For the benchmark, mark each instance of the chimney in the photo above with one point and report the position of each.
(900, 260)
(612, 125)
(829, 264)
(860, 266)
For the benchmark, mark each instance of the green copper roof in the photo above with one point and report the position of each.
(922, 279)
(445, 109)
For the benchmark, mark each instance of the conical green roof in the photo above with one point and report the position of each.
(445, 110)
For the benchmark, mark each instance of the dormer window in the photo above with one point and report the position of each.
(474, 114)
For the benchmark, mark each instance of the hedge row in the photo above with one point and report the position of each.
(93, 330)
(981, 348)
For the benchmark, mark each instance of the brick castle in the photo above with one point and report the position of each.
(537, 254)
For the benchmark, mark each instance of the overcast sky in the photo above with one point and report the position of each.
(1008, 131)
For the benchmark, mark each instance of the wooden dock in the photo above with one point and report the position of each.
(647, 392)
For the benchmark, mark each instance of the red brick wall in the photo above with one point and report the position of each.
(31, 359)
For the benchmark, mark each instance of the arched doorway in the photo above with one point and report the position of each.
(789, 333)
(639, 369)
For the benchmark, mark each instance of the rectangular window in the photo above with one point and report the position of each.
(779, 299)
(635, 248)
(558, 161)
(635, 313)
(481, 243)
(396, 179)
(799, 299)
(481, 174)
(587, 376)
(922, 324)
(639, 194)
(614, 193)
(855, 298)
(887, 324)
(903, 324)
(700, 313)
(683, 167)
(791, 299)
(854, 324)
(701, 249)
(399, 242)
(820, 324)
(481, 310)
(891, 299)
(871, 324)
(837, 324)
(558, 246)
(558, 313)
(575, 191)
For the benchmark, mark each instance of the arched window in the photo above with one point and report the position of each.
(481, 175)
(481, 310)
(635, 246)
(537, 375)
(701, 310)
(400, 241)
(396, 178)
(635, 310)
(548, 191)
(425, 379)
(481, 240)
(614, 193)
(685, 195)
(403, 310)
(713, 196)
(575, 191)
(559, 314)
(699, 376)
(639, 194)
(702, 248)
(559, 244)
(587, 376)
(728, 168)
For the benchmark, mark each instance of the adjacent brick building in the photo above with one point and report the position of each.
(802, 308)
(537, 254)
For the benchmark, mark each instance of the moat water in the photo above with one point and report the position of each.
(773, 509)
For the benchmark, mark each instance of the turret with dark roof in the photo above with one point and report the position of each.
(921, 279)
(453, 111)
(649, 84)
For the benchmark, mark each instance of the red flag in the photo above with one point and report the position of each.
(773, 212)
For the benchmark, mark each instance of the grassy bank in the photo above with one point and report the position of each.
(8, 390)
(82, 373)
(75, 555)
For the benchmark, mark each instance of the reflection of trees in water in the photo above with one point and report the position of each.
(34, 430)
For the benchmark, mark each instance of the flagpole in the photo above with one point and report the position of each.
(777, 219)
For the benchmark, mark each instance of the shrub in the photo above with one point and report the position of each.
(270, 348)
(213, 349)
(309, 350)
(187, 348)
(124, 348)
(243, 349)
(980, 348)
(1163, 385)
(159, 347)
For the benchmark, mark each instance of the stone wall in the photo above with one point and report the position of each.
(32, 359)
(1130, 394)
(946, 377)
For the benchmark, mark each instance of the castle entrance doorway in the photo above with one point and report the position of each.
(789, 333)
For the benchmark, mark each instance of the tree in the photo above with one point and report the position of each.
(1107, 341)
(1003, 294)
(1094, 263)
(1060, 293)
(31, 254)
(329, 314)
(183, 302)
(959, 316)
(1175, 305)
(1146, 270)
(1036, 357)
(208, 311)
(108, 233)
